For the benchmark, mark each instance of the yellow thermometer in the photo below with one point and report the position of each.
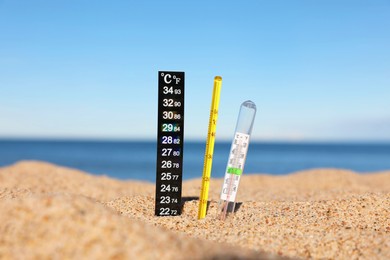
(208, 157)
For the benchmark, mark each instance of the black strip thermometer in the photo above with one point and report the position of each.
(170, 137)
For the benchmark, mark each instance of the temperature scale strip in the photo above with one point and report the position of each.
(170, 133)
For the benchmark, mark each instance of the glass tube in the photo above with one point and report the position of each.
(237, 156)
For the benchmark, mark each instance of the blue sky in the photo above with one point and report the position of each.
(317, 70)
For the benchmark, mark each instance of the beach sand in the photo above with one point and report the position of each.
(47, 212)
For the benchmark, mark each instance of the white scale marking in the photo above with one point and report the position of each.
(236, 164)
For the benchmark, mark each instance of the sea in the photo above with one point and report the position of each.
(136, 160)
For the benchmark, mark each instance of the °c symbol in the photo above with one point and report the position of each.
(167, 78)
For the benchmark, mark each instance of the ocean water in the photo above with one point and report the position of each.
(137, 160)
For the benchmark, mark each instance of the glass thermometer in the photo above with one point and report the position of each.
(237, 156)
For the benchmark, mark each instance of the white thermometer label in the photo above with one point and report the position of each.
(235, 166)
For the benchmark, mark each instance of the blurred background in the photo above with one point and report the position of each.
(78, 82)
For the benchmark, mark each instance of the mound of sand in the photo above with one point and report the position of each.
(55, 212)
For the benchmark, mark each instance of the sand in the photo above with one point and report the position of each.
(47, 212)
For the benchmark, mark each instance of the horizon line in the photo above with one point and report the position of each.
(191, 140)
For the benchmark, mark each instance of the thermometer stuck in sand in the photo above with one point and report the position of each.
(208, 157)
(237, 156)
